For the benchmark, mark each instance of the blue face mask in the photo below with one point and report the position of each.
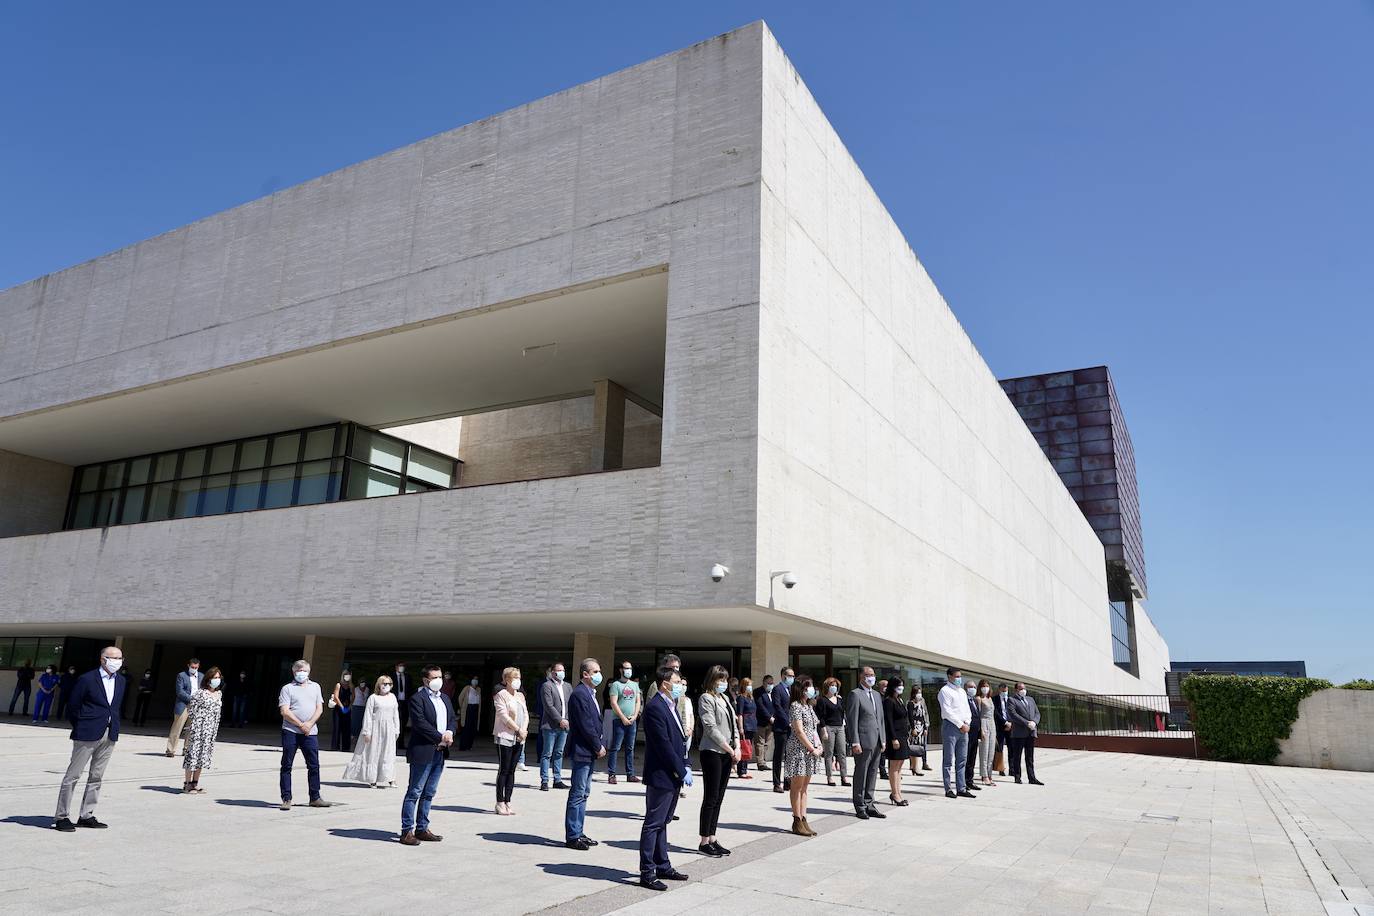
(958, 682)
(596, 679)
(788, 681)
(811, 693)
(721, 686)
(558, 675)
(832, 690)
(679, 690)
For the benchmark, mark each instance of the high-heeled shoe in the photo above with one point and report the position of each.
(899, 804)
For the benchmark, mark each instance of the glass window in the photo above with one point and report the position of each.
(286, 448)
(7, 654)
(138, 471)
(114, 474)
(162, 502)
(133, 505)
(222, 459)
(90, 478)
(319, 482)
(188, 499)
(365, 482)
(193, 463)
(25, 650)
(280, 482)
(104, 507)
(430, 467)
(247, 491)
(319, 443)
(84, 514)
(253, 454)
(166, 467)
(376, 449)
(216, 495)
(48, 652)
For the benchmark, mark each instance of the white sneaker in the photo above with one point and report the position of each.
(524, 769)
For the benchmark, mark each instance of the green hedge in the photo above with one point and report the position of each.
(1359, 684)
(1242, 718)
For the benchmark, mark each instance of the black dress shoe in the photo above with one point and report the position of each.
(1035, 782)
(874, 812)
(653, 884)
(91, 822)
(720, 850)
(951, 794)
(706, 849)
(559, 784)
(672, 874)
(967, 794)
(588, 840)
(861, 814)
(543, 787)
(1018, 780)
(777, 789)
(65, 826)
(579, 844)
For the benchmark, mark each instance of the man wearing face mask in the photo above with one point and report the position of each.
(625, 704)
(93, 711)
(188, 682)
(866, 734)
(469, 714)
(400, 682)
(431, 731)
(554, 694)
(1025, 719)
(584, 735)
(47, 688)
(301, 704)
(955, 718)
(782, 724)
(241, 692)
(65, 688)
(974, 736)
(665, 773)
(1001, 716)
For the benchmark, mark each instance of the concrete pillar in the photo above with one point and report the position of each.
(608, 427)
(592, 645)
(769, 652)
(325, 655)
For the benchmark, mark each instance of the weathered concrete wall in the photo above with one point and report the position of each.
(33, 494)
(1332, 732)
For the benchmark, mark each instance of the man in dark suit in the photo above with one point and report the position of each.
(665, 773)
(584, 737)
(93, 711)
(1025, 719)
(764, 699)
(1001, 717)
(782, 724)
(431, 732)
(866, 735)
(405, 690)
(975, 732)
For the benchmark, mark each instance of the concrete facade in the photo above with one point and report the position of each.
(1327, 733)
(822, 410)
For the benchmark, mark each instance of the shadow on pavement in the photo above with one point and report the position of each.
(245, 802)
(625, 814)
(633, 846)
(752, 828)
(459, 809)
(593, 872)
(29, 820)
(361, 833)
(520, 839)
(165, 789)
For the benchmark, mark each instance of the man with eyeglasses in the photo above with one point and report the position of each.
(93, 711)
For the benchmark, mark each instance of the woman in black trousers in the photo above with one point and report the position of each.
(719, 752)
(748, 710)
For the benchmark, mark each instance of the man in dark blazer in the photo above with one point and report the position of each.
(665, 773)
(1001, 719)
(404, 687)
(975, 731)
(782, 724)
(432, 722)
(93, 710)
(584, 737)
(764, 699)
(1025, 720)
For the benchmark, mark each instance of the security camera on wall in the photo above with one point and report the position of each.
(719, 572)
(789, 580)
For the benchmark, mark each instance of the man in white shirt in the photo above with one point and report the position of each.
(956, 719)
(431, 731)
(554, 694)
(94, 713)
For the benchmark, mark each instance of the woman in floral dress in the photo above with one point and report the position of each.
(374, 759)
(802, 753)
(202, 728)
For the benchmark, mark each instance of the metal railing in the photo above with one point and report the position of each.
(1114, 715)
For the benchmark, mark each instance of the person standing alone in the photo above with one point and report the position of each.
(144, 698)
(626, 704)
(188, 682)
(65, 689)
(93, 711)
(47, 689)
(301, 703)
(23, 683)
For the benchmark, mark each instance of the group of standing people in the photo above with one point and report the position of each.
(53, 690)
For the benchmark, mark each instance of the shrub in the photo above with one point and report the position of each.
(1242, 718)
(1359, 683)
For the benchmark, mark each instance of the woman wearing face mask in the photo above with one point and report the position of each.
(342, 702)
(898, 731)
(987, 737)
(919, 714)
(374, 762)
(748, 723)
(469, 714)
(202, 728)
(830, 712)
(512, 725)
(802, 753)
(718, 753)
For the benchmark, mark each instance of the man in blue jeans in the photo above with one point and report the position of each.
(584, 734)
(954, 726)
(554, 694)
(431, 733)
(301, 703)
(626, 702)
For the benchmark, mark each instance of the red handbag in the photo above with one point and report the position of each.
(746, 750)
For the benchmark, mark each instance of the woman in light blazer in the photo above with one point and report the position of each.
(512, 725)
(719, 753)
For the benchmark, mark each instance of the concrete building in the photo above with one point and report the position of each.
(663, 321)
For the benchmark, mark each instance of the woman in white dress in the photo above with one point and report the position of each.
(374, 759)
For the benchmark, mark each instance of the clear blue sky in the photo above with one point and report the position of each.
(1182, 191)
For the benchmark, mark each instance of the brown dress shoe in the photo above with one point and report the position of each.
(427, 837)
(408, 839)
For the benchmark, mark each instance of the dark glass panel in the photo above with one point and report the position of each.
(133, 505)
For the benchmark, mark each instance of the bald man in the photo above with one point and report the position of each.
(93, 711)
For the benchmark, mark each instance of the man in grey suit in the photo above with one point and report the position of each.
(188, 682)
(1025, 720)
(867, 736)
(554, 694)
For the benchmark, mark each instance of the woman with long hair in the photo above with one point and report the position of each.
(919, 714)
(374, 760)
(802, 754)
(748, 722)
(830, 713)
(202, 728)
(988, 736)
(719, 752)
(898, 732)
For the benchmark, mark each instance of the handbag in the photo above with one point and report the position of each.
(746, 750)
(915, 747)
(998, 763)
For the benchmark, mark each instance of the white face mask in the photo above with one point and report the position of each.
(515, 684)
(302, 677)
(214, 682)
(435, 683)
(1021, 692)
(400, 669)
(473, 682)
(985, 690)
(558, 675)
(385, 688)
(970, 690)
(113, 664)
(347, 678)
(900, 688)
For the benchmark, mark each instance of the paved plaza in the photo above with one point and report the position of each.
(1108, 833)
